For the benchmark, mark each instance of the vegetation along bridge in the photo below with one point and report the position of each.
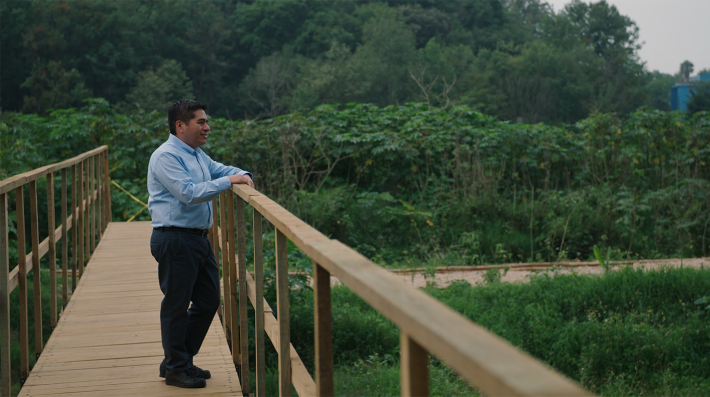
(106, 338)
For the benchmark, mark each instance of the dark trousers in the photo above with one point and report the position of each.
(188, 272)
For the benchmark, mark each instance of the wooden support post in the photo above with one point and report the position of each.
(243, 299)
(100, 196)
(282, 290)
(92, 205)
(323, 320)
(80, 218)
(65, 243)
(52, 252)
(232, 263)
(214, 236)
(5, 377)
(414, 367)
(259, 306)
(36, 274)
(86, 216)
(107, 187)
(22, 283)
(74, 227)
(227, 316)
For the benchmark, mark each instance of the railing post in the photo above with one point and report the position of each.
(259, 306)
(80, 218)
(414, 369)
(65, 243)
(214, 237)
(99, 196)
(243, 299)
(86, 216)
(90, 206)
(227, 316)
(22, 283)
(74, 227)
(323, 320)
(52, 252)
(233, 304)
(282, 291)
(5, 374)
(107, 187)
(36, 274)
(94, 233)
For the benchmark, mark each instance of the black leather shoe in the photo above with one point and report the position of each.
(196, 371)
(199, 372)
(184, 379)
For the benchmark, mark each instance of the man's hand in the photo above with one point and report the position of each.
(241, 179)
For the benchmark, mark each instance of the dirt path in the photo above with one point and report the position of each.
(519, 272)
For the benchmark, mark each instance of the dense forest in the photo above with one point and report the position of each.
(513, 59)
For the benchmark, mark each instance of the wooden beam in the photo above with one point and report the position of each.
(80, 218)
(227, 317)
(65, 242)
(233, 297)
(36, 275)
(323, 320)
(282, 291)
(13, 182)
(243, 300)
(107, 189)
(485, 360)
(52, 248)
(258, 303)
(414, 367)
(5, 351)
(74, 234)
(22, 282)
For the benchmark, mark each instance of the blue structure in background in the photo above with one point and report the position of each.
(680, 93)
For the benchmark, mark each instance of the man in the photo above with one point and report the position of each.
(182, 181)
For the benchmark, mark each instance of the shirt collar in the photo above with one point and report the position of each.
(175, 141)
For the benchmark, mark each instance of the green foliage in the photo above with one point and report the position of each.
(631, 332)
(408, 184)
(700, 99)
(513, 59)
(157, 90)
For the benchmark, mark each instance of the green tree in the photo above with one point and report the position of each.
(686, 69)
(658, 90)
(383, 59)
(51, 86)
(699, 100)
(267, 87)
(157, 90)
(436, 70)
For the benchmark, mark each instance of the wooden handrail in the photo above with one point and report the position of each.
(13, 182)
(427, 326)
(43, 249)
(89, 172)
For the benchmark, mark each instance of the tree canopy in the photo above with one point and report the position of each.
(513, 59)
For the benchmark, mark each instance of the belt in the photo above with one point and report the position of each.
(199, 232)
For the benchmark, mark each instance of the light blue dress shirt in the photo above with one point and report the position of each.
(182, 181)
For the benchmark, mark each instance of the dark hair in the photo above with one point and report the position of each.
(183, 110)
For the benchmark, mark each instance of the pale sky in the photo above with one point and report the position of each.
(670, 31)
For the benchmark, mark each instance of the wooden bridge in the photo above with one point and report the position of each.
(106, 340)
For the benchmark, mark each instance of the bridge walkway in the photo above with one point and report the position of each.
(107, 341)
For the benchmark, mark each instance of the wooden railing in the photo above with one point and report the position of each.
(91, 208)
(426, 325)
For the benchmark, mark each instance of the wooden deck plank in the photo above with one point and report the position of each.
(107, 341)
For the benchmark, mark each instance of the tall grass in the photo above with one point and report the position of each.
(627, 332)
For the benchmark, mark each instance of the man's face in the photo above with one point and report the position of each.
(194, 134)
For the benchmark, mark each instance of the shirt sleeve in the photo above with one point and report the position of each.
(219, 170)
(169, 171)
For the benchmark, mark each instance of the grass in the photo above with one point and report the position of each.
(629, 332)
